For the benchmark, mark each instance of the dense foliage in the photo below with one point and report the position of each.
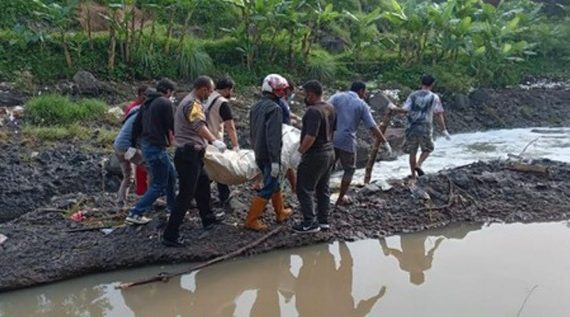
(464, 42)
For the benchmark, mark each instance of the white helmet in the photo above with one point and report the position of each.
(275, 84)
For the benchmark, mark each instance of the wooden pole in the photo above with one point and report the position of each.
(374, 150)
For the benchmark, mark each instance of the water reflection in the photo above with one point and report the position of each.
(75, 301)
(319, 289)
(319, 275)
(364, 278)
(413, 257)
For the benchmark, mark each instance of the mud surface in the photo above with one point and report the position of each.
(486, 109)
(39, 249)
(30, 177)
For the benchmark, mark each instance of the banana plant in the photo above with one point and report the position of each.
(256, 23)
(364, 30)
(316, 17)
(61, 18)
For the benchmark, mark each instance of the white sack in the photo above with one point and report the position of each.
(230, 167)
(291, 140)
(233, 168)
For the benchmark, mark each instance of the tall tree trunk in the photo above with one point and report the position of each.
(186, 26)
(169, 30)
(112, 47)
(125, 26)
(133, 34)
(152, 33)
(89, 27)
(272, 50)
(304, 45)
(290, 51)
(141, 26)
(66, 50)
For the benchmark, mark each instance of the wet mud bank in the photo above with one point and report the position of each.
(45, 246)
(36, 176)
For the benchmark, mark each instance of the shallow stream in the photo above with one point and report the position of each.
(465, 148)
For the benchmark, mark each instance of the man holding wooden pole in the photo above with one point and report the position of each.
(351, 109)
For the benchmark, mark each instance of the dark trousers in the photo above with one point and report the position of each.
(313, 176)
(223, 192)
(193, 183)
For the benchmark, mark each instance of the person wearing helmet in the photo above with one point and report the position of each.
(265, 119)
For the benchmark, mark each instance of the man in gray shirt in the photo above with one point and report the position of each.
(351, 110)
(420, 108)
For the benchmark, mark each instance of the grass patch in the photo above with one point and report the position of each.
(56, 133)
(105, 137)
(56, 110)
(91, 108)
(4, 136)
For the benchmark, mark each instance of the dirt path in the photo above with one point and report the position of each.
(40, 250)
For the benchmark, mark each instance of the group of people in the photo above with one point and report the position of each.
(328, 135)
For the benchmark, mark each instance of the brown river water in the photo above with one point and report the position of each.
(461, 270)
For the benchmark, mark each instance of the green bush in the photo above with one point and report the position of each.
(322, 66)
(224, 51)
(54, 110)
(92, 108)
(51, 110)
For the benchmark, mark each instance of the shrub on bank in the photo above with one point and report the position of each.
(91, 108)
(57, 110)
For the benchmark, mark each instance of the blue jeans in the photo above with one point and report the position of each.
(270, 184)
(162, 178)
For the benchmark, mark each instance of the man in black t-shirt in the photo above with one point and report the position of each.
(316, 156)
(153, 130)
(219, 117)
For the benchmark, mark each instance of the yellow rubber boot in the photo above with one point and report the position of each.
(252, 221)
(282, 213)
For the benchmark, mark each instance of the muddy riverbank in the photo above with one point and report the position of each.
(41, 249)
(32, 173)
(69, 176)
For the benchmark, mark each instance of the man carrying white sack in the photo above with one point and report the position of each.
(192, 137)
(220, 118)
(265, 120)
